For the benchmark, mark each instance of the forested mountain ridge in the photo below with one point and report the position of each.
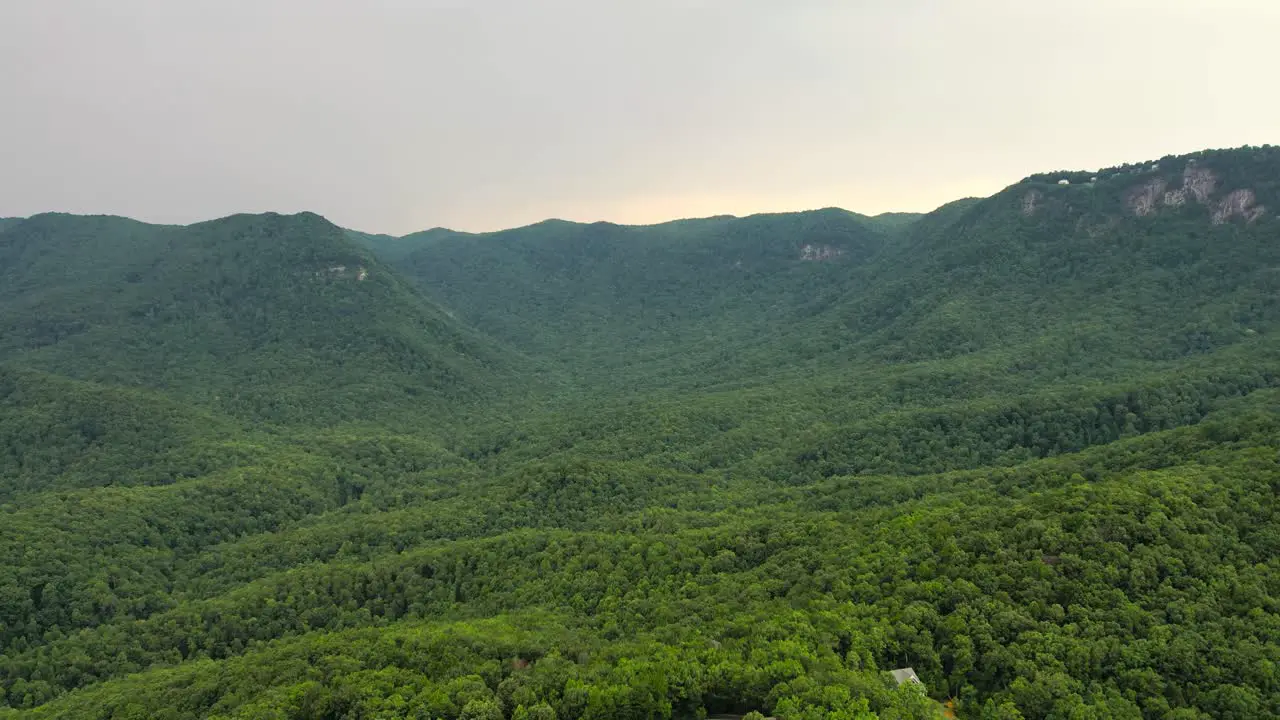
(270, 317)
(601, 298)
(1027, 445)
(1094, 266)
(1094, 261)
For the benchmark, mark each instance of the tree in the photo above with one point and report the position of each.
(481, 710)
(1004, 710)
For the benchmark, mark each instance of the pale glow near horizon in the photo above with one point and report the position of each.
(388, 116)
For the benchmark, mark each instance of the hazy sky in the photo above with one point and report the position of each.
(397, 116)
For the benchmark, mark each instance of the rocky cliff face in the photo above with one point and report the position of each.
(1223, 182)
(1198, 186)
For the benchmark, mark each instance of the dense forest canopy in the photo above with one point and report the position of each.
(1027, 446)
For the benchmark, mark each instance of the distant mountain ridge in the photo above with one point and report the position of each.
(1079, 257)
(596, 297)
(221, 311)
(1088, 255)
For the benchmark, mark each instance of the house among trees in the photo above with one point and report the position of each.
(905, 675)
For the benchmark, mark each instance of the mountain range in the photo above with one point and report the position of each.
(1027, 445)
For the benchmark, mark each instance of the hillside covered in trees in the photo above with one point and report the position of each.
(1027, 445)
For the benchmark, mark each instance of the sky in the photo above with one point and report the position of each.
(396, 116)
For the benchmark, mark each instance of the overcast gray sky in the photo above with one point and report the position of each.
(394, 116)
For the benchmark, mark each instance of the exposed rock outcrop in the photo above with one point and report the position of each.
(1142, 199)
(1199, 182)
(343, 272)
(819, 252)
(1237, 203)
(1198, 185)
(1030, 202)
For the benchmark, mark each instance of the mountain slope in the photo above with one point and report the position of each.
(1154, 264)
(58, 434)
(651, 302)
(1026, 445)
(1145, 264)
(271, 317)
